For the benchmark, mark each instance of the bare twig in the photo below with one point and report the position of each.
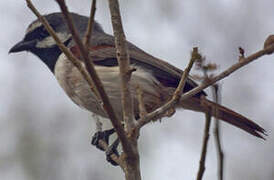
(233, 68)
(90, 68)
(123, 60)
(204, 67)
(90, 23)
(176, 96)
(194, 56)
(204, 147)
(242, 53)
(220, 153)
(132, 165)
(268, 42)
(142, 108)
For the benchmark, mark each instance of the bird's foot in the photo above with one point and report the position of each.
(101, 135)
(112, 149)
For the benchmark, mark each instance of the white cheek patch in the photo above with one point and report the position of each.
(33, 26)
(50, 42)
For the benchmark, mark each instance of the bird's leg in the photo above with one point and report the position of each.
(101, 135)
(112, 149)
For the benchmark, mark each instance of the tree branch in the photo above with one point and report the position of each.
(204, 147)
(244, 61)
(233, 68)
(220, 153)
(123, 60)
(132, 166)
(142, 108)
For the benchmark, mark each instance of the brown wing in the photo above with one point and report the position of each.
(103, 53)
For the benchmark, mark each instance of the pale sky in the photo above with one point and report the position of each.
(45, 136)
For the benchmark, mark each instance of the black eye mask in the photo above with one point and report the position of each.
(39, 33)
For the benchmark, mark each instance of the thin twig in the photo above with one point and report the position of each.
(176, 96)
(204, 147)
(90, 24)
(227, 72)
(202, 66)
(194, 56)
(123, 60)
(142, 108)
(90, 68)
(220, 154)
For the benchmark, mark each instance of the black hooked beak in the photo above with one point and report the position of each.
(23, 46)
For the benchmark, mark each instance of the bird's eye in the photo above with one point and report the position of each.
(44, 33)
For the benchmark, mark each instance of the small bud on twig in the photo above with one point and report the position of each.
(268, 42)
(242, 53)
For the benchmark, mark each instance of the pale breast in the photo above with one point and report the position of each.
(79, 91)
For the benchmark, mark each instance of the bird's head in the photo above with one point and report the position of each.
(39, 42)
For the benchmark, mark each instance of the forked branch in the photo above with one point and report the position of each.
(244, 61)
(176, 96)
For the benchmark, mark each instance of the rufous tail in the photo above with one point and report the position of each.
(225, 114)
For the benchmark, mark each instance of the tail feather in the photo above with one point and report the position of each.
(224, 114)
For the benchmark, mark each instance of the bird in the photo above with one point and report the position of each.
(157, 78)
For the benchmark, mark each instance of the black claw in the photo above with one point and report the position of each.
(95, 139)
(113, 150)
(101, 135)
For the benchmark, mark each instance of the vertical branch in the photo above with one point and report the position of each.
(204, 147)
(132, 166)
(123, 60)
(220, 154)
(202, 66)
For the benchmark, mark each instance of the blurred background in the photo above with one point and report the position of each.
(44, 136)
